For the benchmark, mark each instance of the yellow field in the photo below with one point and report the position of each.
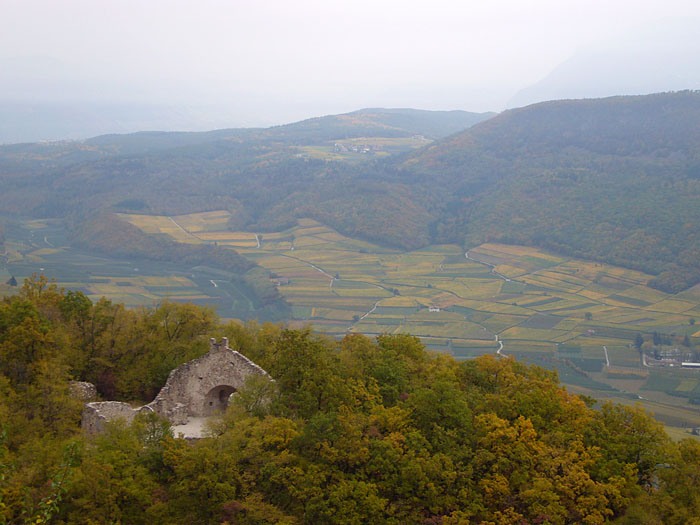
(160, 224)
(204, 222)
(672, 306)
(45, 251)
(36, 224)
(227, 236)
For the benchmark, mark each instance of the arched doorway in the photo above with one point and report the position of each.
(217, 399)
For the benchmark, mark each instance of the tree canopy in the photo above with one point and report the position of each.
(350, 431)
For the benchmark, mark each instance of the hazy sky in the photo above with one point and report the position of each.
(282, 60)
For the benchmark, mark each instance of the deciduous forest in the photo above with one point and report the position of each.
(350, 431)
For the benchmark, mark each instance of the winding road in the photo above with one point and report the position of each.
(361, 318)
(500, 347)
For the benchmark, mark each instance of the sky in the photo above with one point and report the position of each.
(266, 62)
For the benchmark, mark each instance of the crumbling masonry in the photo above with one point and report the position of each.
(199, 388)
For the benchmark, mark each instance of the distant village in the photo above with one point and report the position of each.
(671, 357)
(340, 147)
(356, 148)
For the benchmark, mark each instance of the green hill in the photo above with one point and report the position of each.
(614, 179)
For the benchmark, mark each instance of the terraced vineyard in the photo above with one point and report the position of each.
(527, 298)
(575, 316)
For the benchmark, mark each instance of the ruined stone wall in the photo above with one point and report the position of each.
(202, 386)
(96, 415)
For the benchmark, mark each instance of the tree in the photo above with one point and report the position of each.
(638, 341)
(629, 436)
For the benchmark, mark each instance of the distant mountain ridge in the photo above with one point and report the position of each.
(614, 179)
(260, 175)
(655, 58)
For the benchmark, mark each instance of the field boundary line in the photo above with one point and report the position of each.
(184, 230)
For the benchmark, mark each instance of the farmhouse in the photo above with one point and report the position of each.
(194, 390)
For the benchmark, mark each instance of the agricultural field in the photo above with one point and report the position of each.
(577, 317)
(42, 247)
(360, 148)
(521, 296)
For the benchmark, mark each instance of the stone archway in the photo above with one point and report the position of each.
(202, 387)
(216, 399)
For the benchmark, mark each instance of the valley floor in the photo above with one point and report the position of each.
(575, 316)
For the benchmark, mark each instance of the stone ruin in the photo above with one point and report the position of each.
(97, 414)
(197, 389)
(82, 391)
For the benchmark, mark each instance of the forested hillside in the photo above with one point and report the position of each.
(615, 180)
(377, 122)
(260, 175)
(351, 431)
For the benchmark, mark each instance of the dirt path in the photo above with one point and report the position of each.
(493, 268)
(324, 272)
(193, 429)
(183, 229)
(372, 310)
